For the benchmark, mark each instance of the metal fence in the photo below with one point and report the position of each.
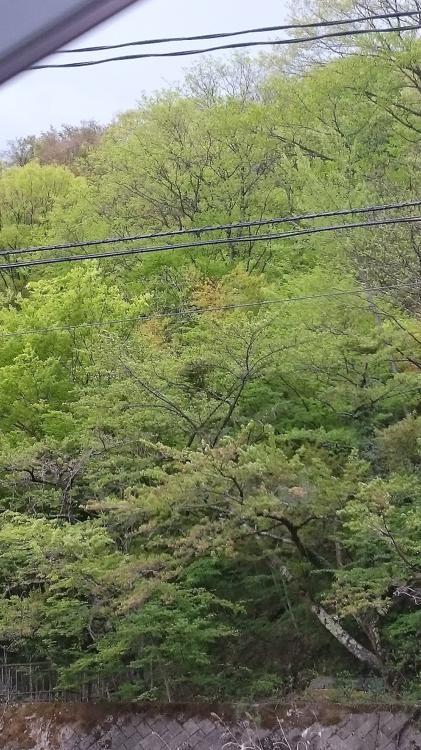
(38, 682)
(19, 682)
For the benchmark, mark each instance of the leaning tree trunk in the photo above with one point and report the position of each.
(356, 649)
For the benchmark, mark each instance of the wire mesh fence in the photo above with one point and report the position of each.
(38, 682)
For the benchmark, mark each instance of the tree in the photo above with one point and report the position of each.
(21, 151)
(67, 146)
(209, 458)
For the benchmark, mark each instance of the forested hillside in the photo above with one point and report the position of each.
(204, 502)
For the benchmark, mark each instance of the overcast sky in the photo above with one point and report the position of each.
(32, 102)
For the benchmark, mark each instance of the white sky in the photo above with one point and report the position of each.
(33, 101)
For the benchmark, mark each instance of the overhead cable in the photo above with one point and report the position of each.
(232, 45)
(259, 30)
(214, 308)
(212, 228)
(208, 243)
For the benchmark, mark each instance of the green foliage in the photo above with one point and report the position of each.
(218, 505)
(166, 642)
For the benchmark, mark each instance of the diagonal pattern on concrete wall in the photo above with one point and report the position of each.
(140, 729)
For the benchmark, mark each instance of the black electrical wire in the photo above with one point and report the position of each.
(212, 228)
(214, 308)
(260, 30)
(233, 45)
(208, 243)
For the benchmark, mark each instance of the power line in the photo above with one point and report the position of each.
(260, 30)
(213, 228)
(233, 45)
(214, 308)
(208, 243)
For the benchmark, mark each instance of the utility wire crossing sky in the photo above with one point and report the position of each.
(231, 46)
(261, 30)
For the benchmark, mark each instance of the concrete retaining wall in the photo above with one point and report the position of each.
(283, 727)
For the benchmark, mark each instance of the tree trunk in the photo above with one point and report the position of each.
(356, 649)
